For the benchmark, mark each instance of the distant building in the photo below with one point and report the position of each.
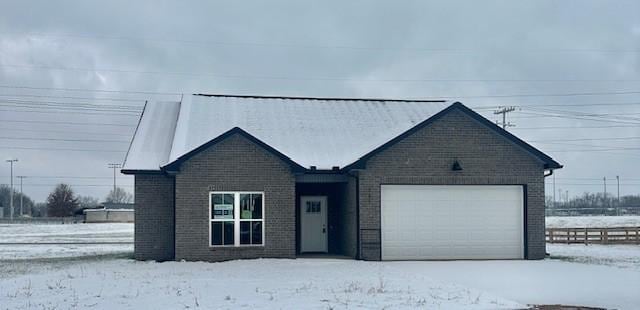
(110, 212)
(117, 205)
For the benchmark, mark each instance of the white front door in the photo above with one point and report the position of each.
(313, 224)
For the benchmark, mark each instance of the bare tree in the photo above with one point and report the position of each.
(4, 200)
(119, 196)
(62, 201)
(88, 202)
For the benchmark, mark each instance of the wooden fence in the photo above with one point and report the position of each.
(609, 235)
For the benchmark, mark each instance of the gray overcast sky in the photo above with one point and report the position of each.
(472, 51)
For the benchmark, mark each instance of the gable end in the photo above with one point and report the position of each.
(174, 166)
(549, 163)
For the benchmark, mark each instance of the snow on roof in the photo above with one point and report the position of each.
(311, 131)
(152, 140)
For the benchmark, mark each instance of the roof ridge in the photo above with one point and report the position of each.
(321, 98)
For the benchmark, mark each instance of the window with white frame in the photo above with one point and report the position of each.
(236, 218)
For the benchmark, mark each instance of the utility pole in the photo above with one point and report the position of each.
(560, 194)
(11, 161)
(504, 111)
(21, 177)
(114, 166)
(618, 200)
(554, 190)
(604, 180)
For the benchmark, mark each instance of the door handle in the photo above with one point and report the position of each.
(324, 229)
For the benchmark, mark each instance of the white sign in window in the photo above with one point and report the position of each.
(237, 218)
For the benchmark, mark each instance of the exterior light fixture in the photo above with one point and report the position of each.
(456, 166)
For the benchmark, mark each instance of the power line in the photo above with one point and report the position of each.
(586, 139)
(599, 150)
(318, 46)
(78, 185)
(63, 177)
(65, 131)
(578, 104)
(623, 92)
(70, 107)
(539, 95)
(73, 97)
(577, 127)
(579, 144)
(93, 90)
(585, 114)
(287, 78)
(64, 123)
(594, 179)
(72, 104)
(68, 112)
(59, 149)
(590, 184)
(66, 140)
(586, 118)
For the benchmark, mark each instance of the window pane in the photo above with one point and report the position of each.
(257, 206)
(216, 233)
(256, 232)
(216, 199)
(313, 206)
(228, 233)
(222, 206)
(228, 198)
(245, 206)
(245, 234)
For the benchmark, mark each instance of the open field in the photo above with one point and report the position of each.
(102, 232)
(68, 240)
(592, 221)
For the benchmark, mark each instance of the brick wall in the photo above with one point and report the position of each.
(153, 239)
(234, 164)
(426, 156)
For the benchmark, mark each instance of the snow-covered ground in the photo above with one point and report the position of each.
(23, 251)
(72, 240)
(592, 221)
(72, 276)
(321, 284)
(96, 232)
(623, 256)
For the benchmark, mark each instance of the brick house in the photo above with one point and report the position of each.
(222, 177)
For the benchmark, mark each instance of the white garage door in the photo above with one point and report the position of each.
(452, 222)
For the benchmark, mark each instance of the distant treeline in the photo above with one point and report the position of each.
(594, 204)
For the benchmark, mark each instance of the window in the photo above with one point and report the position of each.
(236, 218)
(313, 206)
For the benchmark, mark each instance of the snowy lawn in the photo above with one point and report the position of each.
(623, 256)
(592, 221)
(95, 232)
(72, 240)
(320, 284)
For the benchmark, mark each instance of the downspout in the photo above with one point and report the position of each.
(357, 178)
(548, 174)
(174, 218)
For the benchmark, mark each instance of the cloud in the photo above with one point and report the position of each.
(310, 48)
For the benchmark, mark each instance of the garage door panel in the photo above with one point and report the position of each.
(452, 222)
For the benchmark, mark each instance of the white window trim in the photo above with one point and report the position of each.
(236, 220)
